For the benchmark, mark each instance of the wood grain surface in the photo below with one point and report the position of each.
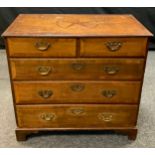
(79, 116)
(76, 25)
(26, 47)
(77, 92)
(97, 47)
(77, 69)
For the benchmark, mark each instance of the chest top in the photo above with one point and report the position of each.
(52, 25)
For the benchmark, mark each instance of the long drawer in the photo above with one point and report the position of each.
(42, 47)
(77, 92)
(79, 116)
(113, 47)
(77, 69)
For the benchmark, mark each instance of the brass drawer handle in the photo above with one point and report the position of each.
(106, 117)
(45, 93)
(111, 70)
(42, 46)
(78, 66)
(77, 87)
(44, 70)
(109, 93)
(77, 112)
(48, 116)
(113, 46)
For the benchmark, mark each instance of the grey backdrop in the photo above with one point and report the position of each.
(144, 15)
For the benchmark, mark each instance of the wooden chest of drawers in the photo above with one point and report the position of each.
(76, 72)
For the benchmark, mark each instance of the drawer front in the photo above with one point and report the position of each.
(113, 47)
(77, 91)
(79, 116)
(41, 47)
(77, 69)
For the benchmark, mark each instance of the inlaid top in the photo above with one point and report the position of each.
(71, 25)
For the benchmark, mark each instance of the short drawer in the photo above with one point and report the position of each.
(113, 47)
(77, 92)
(77, 69)
(41, 47)
(79, 116)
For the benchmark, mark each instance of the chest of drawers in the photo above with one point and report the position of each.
(76, 72)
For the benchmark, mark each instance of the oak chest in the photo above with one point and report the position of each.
(76, 72)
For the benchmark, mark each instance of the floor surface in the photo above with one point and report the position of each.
(146, 121)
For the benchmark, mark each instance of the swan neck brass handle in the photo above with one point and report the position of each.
(45, 93)
(111, 70)
(106, 117)
(78, 66)
(113, 46)
(42, 45)
(108, 93)
(77, 87)
(44, 70)
(48, 116)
